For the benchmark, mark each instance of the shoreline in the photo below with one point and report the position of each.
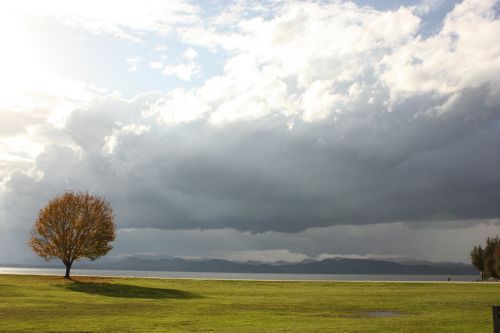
(249, 280)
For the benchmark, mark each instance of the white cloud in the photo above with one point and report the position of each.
(464, 54)
(133, 63)
(183, 71)
(161, 48)
(369, 51)
(309, 60)
(190, 54)
(318, 101)
(156, 64)
(187, 68)
(43, 104)
(176, 107)
(281, 64)
(122, 18)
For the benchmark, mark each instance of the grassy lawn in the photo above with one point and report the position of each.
(87, 304)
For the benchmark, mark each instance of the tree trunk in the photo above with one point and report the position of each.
(68, 268)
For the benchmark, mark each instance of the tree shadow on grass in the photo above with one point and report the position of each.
(129, 291)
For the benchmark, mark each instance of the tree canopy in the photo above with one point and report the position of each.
(487, 259)
(73, 226)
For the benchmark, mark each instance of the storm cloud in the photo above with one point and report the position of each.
(367, 166)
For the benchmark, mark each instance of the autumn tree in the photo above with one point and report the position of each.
(73, 226)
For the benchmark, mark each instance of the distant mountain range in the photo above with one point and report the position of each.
(326, 266)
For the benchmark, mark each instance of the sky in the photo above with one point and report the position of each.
(256, 130)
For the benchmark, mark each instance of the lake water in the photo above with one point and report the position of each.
(239, 276)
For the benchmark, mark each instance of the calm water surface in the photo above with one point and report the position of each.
(239, 276)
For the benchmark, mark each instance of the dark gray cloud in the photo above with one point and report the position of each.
(368, 166)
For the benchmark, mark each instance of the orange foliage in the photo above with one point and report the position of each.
(73, 226)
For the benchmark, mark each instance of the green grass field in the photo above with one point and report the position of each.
(87, 304)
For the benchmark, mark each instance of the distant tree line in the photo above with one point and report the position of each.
(487, 259)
